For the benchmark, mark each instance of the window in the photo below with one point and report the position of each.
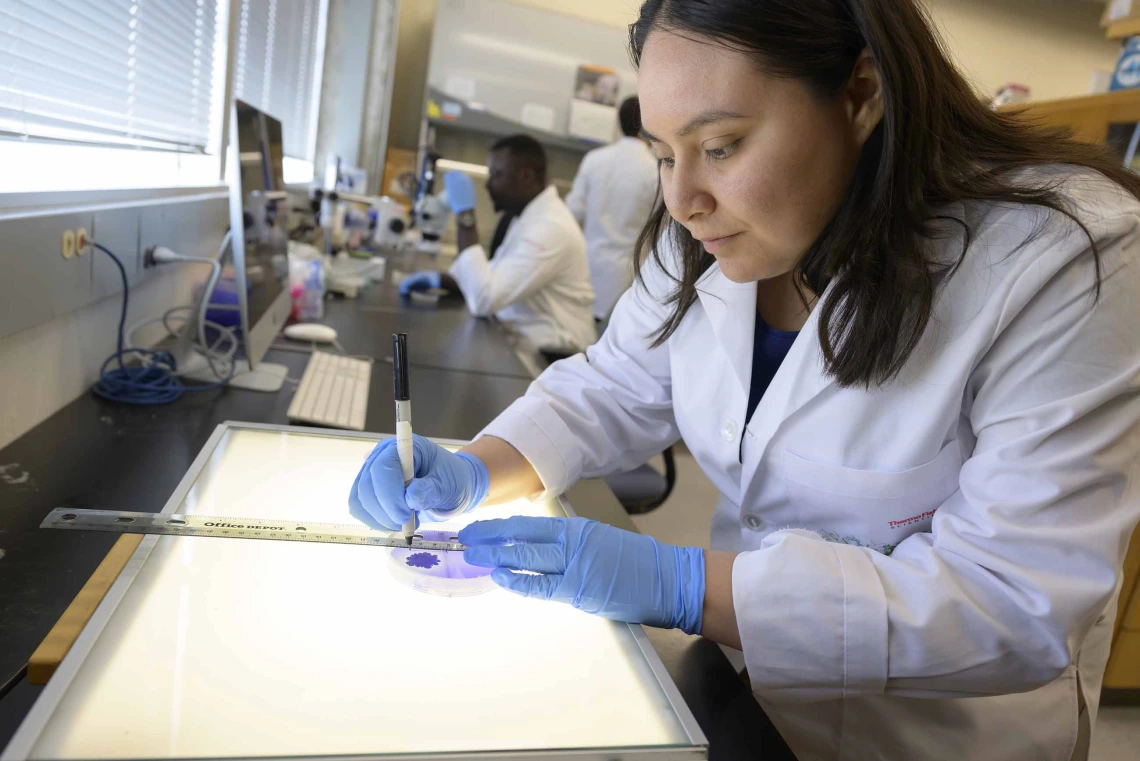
(122, 72)
(105, 94)
(82, 79)
(280, 46)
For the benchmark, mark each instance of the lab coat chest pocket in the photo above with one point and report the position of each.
(870, 508)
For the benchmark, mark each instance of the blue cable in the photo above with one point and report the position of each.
(152, 382)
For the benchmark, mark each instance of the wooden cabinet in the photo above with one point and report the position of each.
(1123, 672)
(1118, 30)
(1088, 116)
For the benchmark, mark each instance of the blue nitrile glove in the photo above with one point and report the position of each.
(445, 484)
(419, 281)
(594, 567)
(460, 191)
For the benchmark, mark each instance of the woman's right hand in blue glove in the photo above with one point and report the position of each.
(445, 484)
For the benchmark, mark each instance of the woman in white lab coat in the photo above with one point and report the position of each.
(934, 311)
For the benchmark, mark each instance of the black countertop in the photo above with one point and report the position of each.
(445, 336)
(95, 454)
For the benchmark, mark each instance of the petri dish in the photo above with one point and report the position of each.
(428, 298)
(438, 572)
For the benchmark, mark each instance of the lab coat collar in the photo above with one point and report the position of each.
(535, 209)
(538, 205)
(731, 309)
(800, 378)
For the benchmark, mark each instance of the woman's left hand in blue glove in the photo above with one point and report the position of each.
(594, 567)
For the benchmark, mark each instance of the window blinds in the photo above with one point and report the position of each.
(275, 65)
(121, 72)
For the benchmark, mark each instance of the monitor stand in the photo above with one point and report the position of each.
(268, 377)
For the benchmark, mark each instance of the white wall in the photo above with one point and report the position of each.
(613, 12)
(1054, 46)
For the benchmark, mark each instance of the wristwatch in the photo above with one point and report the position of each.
(465, 218)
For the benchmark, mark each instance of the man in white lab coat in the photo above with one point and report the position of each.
(538, 282)
(612, 197)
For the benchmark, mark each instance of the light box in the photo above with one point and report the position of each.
(235, 648)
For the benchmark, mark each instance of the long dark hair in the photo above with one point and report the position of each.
(937, 143)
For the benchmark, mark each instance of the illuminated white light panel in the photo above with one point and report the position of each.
(232, 648)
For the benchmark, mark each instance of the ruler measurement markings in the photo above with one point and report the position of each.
(227, 528)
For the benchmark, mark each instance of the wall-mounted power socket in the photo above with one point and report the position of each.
(67, 244)
(82, 241)
(54, 281)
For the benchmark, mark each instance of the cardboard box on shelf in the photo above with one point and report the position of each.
(1119, 10)
(398, 162)
(1127, 73)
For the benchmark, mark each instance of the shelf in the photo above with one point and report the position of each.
(1124, 28)
(1088, 116)
(487, 123)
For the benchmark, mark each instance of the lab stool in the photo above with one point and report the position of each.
(644, 488)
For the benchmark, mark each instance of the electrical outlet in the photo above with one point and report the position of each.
(39, 287)
(67, 244)
(82, 241)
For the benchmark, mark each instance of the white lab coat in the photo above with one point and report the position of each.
(539, 282)
(929, 569)
(612, 197)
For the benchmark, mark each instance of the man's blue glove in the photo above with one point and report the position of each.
(594, 567)
(445, 484)
(460, 191)
(420, 281)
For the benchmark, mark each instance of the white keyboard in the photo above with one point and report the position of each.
(333, 392)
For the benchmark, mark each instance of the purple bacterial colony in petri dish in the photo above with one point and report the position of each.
(422, 560)
(441, 564)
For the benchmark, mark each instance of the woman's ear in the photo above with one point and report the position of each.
(863, 97)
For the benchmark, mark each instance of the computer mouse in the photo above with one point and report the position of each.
(311, 332)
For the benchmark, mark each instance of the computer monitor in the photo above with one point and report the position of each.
(260, 289)
(257, 185)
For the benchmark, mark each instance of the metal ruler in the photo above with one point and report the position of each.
(123, 522)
